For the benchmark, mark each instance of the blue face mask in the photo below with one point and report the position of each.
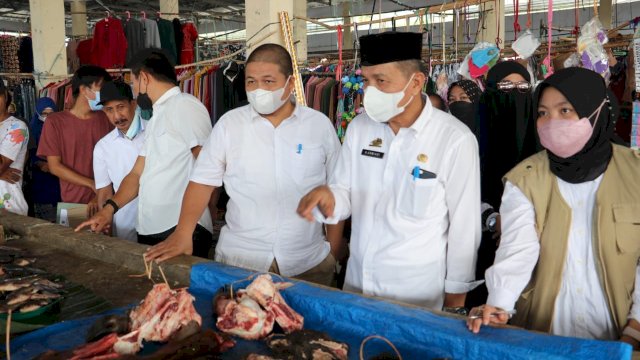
(136, 125)
(93, 104)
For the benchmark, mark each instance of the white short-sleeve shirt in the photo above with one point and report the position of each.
(113, 158)
(179, 123)
(266, 171)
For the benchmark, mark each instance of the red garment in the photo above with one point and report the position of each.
(73, 140)
(109, 44)
(189, 36)
(84, 52)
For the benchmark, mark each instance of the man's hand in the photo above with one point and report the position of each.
(496, 235)
(11, 176)
(92, 207)
(631, 341)
(485, 315)
(454, 300)
(176, 244)
(322, 197)
(100, 222)
(43, 166)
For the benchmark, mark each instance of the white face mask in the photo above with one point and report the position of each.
(42, 117)
(266, 102)
(381, 106)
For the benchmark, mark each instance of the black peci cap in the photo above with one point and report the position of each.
(115, 90)
(390, 46)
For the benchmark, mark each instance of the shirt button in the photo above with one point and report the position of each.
(579, 290)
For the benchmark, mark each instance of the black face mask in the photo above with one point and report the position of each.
(465, 112)
(143, 99)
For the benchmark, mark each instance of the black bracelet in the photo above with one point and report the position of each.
(113, 205)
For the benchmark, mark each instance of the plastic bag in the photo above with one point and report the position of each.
(526, 44)
(591, 50)
(464, 70)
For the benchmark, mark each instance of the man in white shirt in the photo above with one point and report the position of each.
(176, 132)
(268, 155)
(408, 175)
(116, 153)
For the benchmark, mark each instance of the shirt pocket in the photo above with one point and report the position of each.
(627, 224)
(308, 165)
(416, 196)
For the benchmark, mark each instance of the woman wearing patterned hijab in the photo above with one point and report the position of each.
(463, 97)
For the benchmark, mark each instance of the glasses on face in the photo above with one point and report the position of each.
(521, 86)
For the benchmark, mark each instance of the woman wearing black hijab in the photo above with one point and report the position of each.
(507, 134)
(568, 257)
(463, 97)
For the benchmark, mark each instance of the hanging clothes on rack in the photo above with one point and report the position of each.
(168, 38)
(321, 92)
(110, 45)
(134, 32)
(220, 88)
(73, 61)
(84, 52)
(24, 98)
(9, 45)
(177, 32)
(60, 92)
(151, 34)
(25, 55)
(189, 36)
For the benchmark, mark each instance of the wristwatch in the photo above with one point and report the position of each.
(461, 310)
(113, 205)
(492, 222)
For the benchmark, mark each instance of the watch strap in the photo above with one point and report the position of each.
(113, 205)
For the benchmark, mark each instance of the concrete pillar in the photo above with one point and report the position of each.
(604, 13)
(348, 31)
(48, 34)
(494, 12)
(79, 18)
(170, 8)
(300, 29)
(259, 13)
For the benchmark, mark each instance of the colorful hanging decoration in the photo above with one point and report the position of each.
(547, 66)
(591, 50)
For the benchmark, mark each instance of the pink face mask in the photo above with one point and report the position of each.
(565, 138)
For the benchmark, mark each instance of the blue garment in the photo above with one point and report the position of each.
(45, 186)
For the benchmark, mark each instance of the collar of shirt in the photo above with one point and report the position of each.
(423, 118)
(294, 114)
(171, 92)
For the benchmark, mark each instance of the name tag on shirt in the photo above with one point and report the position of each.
(374, 154)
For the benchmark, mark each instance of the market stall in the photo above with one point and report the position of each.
(345, 317)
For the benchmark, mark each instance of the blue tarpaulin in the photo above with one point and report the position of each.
(418, 334)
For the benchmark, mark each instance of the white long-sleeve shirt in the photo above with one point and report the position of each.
(581, 308)
(412, 239)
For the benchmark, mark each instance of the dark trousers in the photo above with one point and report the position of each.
(202, 240)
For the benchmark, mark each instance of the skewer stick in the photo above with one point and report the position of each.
(8, 336)
(163, 277)
(381, 338)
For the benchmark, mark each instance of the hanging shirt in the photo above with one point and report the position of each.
(413, 238)
(134, 32)
(266, 171)
(167, 38)
(581, 308)
(189, 36)
(109, 44)
(84, 52)
(179, 123)
(113, 159)
(151, 34)
(73, 139)
(14, 139)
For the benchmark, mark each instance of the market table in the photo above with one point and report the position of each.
(347, 317)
